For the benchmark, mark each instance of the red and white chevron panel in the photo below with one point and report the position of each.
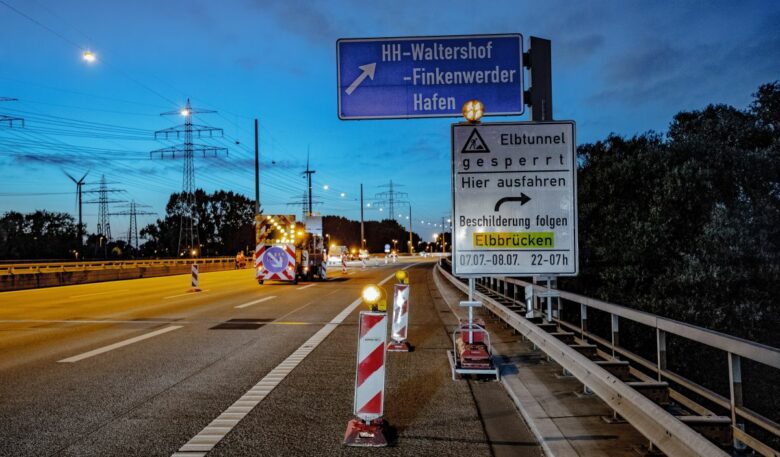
(370, 378)
(195, 280)
(400, 312)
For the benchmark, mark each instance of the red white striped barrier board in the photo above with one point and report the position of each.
(343, 264)
(275, 262)
(400, 319)
(195, 282)
(369, 382)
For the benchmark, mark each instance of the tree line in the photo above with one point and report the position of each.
(225, 226)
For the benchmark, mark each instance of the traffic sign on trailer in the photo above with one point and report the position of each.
(387, 78)
(514, 199)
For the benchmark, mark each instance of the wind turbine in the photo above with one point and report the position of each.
(79, 184)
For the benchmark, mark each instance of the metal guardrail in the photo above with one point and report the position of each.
(56, 267)
(735, 349)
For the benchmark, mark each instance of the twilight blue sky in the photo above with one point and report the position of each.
(618, 66)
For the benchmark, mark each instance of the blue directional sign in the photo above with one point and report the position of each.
(275, 259)
(390, 78)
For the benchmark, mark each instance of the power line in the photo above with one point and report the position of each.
(10, 119)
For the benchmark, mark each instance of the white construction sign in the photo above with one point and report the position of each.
(514, 188)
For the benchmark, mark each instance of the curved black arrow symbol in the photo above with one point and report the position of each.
(523, 199)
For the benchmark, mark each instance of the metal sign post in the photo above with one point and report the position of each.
(409, 77)
(514, 199)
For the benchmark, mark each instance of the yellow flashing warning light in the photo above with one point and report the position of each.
(374, 296)
(473, 110)
(402, 277)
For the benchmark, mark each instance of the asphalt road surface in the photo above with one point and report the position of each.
(146, 367)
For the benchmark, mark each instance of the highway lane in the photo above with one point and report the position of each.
(141, 367)
(48, 407)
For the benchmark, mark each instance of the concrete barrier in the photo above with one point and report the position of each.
(65, 274)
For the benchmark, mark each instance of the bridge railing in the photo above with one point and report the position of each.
(54, 267)
(735, 350)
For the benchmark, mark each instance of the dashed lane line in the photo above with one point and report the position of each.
(208, 438)
(120, 344)
(306, 287)
(99, 293)
(186, 294)
(254, 302)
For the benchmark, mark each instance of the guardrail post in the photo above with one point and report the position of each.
(615, 334)
(660, 338)
(735, 396)
(583, 321)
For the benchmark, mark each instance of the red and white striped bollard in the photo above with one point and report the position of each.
(195, 282)
(400, 320)
(367, 428)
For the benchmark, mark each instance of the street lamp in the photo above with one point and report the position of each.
(89, 56)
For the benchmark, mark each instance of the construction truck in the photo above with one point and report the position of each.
(286, 251)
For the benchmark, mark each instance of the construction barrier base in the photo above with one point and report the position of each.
(363, 434)
(458, 369)
(195, 289)
(403, 346)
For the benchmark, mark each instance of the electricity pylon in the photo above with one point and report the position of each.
(186, 205)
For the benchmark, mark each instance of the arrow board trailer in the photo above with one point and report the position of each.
(514, 188)
(399, 78)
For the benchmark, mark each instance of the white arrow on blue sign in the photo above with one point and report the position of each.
(392, 78)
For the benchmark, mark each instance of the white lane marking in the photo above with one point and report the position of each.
(254, 302)
(99, 293)
(188, 293)
(120, 344)
(213, 433)
(306, 287)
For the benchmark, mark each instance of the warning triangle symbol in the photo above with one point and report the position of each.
(475, 144)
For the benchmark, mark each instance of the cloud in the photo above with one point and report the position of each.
(31, 160)
(302, 18)
(579, 49)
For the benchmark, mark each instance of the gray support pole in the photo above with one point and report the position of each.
(660, 351)
(411, 240)
(735, 395)
(550, 317)
(257, 171)
(472, 288)
(362, 229)
(615, 334)
(583, 321)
